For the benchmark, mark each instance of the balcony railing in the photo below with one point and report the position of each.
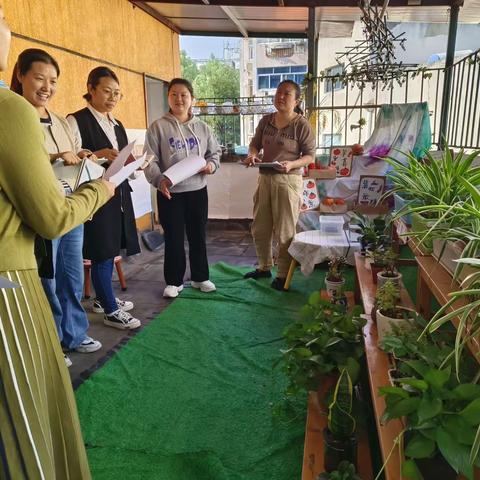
(346, 114)
(464, 112)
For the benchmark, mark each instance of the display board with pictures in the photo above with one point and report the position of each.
(310, 195)
(370, 189)
(341, 158)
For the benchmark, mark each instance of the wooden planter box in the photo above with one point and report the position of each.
(446, 252)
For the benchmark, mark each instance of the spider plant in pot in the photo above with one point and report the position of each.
(339, 437)
(389, 271)
(334, 279)
(389, 311)
(432, 181)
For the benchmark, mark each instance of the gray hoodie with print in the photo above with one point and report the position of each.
(170, 141)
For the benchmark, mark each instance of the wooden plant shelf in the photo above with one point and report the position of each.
(433, 278)
(378, 365)
(316, 422)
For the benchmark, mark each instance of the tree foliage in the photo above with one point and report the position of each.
(189, 67)
(220, 80)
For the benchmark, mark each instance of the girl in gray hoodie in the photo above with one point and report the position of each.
(183, 206)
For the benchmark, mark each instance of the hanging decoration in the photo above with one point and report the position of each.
(373, 60)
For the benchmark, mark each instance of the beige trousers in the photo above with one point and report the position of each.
(277, 202)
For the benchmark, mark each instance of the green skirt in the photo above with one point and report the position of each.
(40, 436)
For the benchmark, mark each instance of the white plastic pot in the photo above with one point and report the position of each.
(384, 323)
(334, 289)
(382, 279)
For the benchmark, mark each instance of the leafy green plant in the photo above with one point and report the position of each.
(340, 419)
(335, 269)
(345, 471)
(433, 181)
(442, 416)
(376, 231)
(390, 259)
(377, 255)
(325, 339)
(387, 300)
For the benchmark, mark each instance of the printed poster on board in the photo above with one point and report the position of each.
(341, 158)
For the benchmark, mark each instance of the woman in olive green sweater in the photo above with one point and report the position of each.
(40, 436)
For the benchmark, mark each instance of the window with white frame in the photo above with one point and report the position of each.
(331, 84)
(270, 77)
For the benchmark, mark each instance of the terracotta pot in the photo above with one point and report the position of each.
(375, 269)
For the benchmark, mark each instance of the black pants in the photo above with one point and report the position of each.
(187, 211)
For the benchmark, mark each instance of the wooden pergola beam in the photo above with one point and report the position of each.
(313, 3)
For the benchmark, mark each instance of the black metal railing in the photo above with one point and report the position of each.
(463, 130)
(347, 114)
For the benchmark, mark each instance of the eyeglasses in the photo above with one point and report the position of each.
(115, 94)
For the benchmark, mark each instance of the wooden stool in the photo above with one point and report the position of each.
(87, 266)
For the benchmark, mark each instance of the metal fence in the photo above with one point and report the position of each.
(346, 114)
(464, 112)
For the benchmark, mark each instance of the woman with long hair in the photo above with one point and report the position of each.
(184, 206)
(113, 227)
(40, 436)
(287, 138)
(35, 77)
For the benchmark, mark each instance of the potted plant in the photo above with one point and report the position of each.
(432, 181)
(389, 271)
(339, 437)
(374, 231)
(344, 471)
(334, 279)
(323, 341)
(377, 261)
(442, 419)
(388, 309)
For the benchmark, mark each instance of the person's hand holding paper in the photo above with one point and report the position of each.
(184, 169)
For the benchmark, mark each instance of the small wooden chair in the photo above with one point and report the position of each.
(87, 266)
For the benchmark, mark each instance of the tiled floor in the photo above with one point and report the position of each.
(228, 241)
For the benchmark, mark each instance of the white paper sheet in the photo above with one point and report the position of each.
(119, 162)
(90, 171)
(126, 171)
(185, 168)
(5, 283)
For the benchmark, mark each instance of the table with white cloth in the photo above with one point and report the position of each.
(314, 246)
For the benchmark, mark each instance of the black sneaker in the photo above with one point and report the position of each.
(258, 274)
(279, 284)
(121, 320)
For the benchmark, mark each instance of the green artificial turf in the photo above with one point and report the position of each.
(194, 395)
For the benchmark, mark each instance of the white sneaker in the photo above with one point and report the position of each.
(89, 345)
(171, 291)
(125, 305)
(68, 362)
(205, 286)
(121, 320)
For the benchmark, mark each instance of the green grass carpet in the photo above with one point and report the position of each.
(193, 395)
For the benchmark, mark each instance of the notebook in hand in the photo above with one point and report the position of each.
(75, 175)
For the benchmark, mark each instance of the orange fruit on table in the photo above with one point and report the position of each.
(328, 201)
